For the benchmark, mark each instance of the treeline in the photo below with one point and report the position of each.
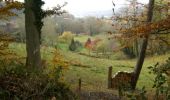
(57, 25)
(88, 25)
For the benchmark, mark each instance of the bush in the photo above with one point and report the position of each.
(66, 37)
(105, 47)
(162, 80)
(72, 46)
(20, 82)
(75, 45)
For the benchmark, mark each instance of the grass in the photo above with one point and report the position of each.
(82, 38)
(95, 76)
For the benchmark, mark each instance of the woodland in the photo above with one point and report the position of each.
(49, 54)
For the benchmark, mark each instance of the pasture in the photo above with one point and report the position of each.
(94, 71)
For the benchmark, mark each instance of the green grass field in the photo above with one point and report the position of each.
(82, 38)
(94, 77)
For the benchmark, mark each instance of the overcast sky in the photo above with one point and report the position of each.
(80, 7)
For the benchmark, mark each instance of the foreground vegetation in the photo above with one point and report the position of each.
(20, 82)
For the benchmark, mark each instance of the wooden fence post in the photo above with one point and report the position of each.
(110, 77)
(79, 88)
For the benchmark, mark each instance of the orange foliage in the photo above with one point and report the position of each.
(131, 27)
(59, 61)
(5, 11)
(6, 55)
(91, 44)
(140, 31)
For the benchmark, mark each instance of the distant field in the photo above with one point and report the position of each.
(82, 38)
(94, 77)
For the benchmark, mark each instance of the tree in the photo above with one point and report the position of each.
(92, 25)
(72, 46)
(144, 31)
(132, 16)
(33, 25)
(141, 58)
(32, 33)
(69, 23)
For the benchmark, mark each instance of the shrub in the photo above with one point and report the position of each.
(78, 44)
(20, 82)
(105, 47)
(72, 46)
(162, 80)
(75, 45)
(66, 37)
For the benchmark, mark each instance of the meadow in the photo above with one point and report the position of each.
(94, 71)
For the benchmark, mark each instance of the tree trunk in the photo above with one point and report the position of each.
(32, 37)
(141, 58)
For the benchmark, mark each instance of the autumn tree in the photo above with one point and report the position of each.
(6, 7)
(130, 16)
(144, 31)
(6, 56)
(6, 10)
(141, 58)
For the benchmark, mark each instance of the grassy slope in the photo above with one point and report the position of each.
(95, 76)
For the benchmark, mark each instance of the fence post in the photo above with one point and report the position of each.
(110, 77)
(79, 88)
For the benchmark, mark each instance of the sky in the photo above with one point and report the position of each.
(80, 8)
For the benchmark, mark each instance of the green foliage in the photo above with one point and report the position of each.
(72, 46)
(39, 14)
(75, 45)
(128, 94)
(137, 95)
(20, 82)
(129, 52)
(162, 81)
